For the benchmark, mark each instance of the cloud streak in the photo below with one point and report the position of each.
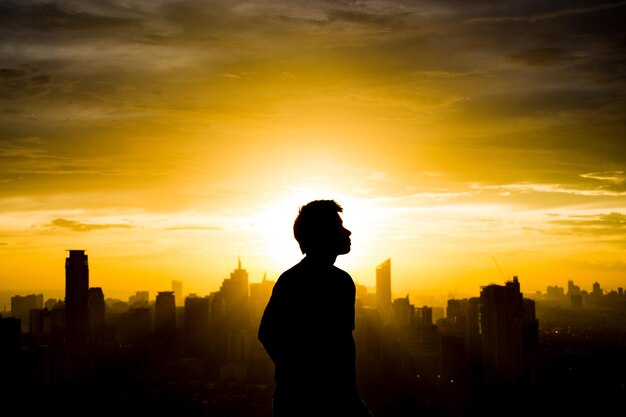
(596, 225)
(76, 226)
(553, 188)
(193, 227)
(548, 15)
(616, 177)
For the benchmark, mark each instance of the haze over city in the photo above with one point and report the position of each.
(494, 352)
(169, 138)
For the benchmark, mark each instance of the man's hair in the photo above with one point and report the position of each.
(313, 220)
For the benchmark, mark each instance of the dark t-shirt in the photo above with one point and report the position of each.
(307, 331)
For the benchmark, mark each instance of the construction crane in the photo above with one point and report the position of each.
(499, 269)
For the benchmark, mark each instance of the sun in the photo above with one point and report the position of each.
(271, 228)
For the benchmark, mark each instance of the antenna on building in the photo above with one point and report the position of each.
(456, 287)
(238, 262)
(499, 269)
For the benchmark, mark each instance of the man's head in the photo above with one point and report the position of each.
(319, 229)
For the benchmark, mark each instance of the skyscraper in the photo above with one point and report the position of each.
(96, 315)
(141, 299)
(260, 294)
(76, 297)
(509, 334)
(196, 325)
(597, 290)
(572, 289)
(22, 305)
(177, 288)
(236, 301)
(165, 316)
(383, 289)
(231, 307)
(140, 325)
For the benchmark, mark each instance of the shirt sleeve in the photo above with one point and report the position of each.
(271, 328)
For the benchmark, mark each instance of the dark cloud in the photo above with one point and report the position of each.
(534, 11)
(28, 148)
(570, 137)
(66, 15)
(24, 83)
(76, 226)
(40, 80)
(10, 73)
(595, 225)
(366, 17)
(539, 57)
(231, 28)
(560, 63)
(540, 101)
(302, 20)
(13, 112)
(570, 33)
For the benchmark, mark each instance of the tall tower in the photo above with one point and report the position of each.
(21, 307)
(77, 297)
(260, 294)
(236, 299)
(196, 325)
(509, 335)
(383, 286)
(165, 316)
(96, 315)
(177, 288)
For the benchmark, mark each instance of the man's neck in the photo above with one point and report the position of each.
(320, 259)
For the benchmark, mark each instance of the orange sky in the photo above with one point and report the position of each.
(168, 138)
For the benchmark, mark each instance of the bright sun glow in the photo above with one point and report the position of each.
(272, 226)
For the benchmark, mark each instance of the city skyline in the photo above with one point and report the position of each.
(204, 356)
(382, 273)
(170, 137)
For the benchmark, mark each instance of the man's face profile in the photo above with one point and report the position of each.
(333, 237)
(319, 229)
(342, 240)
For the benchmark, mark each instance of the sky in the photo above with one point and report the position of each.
(468, 141)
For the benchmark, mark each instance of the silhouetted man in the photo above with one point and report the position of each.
(307, 325)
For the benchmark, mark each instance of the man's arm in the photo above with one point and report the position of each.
(271, 328)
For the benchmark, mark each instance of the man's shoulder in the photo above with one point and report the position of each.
(300, 272)
(291, 272)
(342, 273)
(343, 279)
(287, 277)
